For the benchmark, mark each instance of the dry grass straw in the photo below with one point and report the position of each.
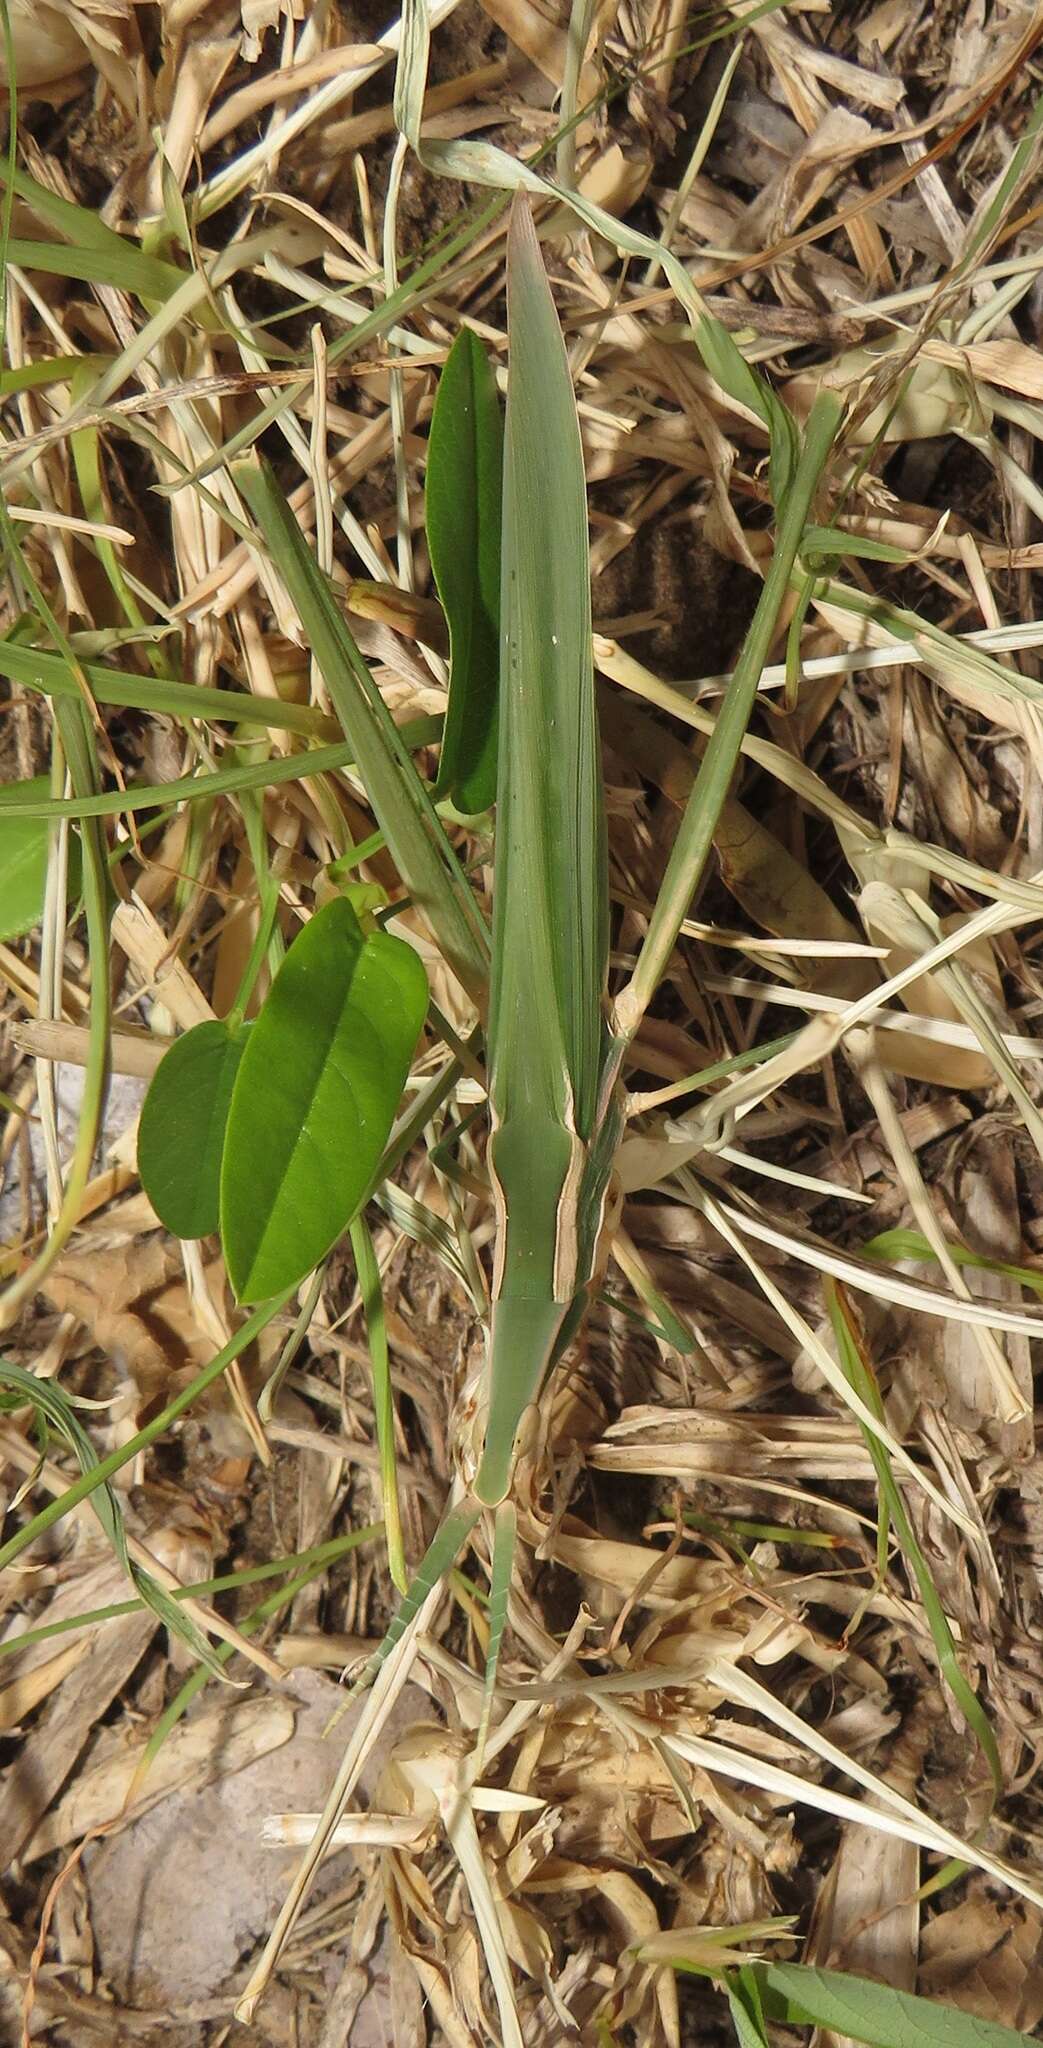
(715, 1671)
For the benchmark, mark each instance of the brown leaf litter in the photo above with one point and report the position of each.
(716, 1667)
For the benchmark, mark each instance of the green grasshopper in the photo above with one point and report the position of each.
(556, 1045)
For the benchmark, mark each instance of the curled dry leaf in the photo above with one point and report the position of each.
(986, 1956)
(47, 44)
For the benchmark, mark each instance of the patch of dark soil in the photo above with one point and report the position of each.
(703, 601)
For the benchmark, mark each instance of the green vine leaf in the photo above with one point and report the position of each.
(315, 1097)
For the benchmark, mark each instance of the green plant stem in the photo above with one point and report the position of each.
(83, 1487)
(204, 1589)
(58, 676)
(703, 809)
(248, 1626)
(420, 732)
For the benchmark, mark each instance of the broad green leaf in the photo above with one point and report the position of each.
(23, 863)
(464, 487)
(314, 1099)
(797, 1995)
(182, 1131)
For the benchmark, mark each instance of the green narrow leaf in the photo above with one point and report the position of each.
(834, 541)
(401, 801)
(177, 1623)
(463, 499)
(748, 2031)
(901, 1243)
(182, 1130)
(797, 1995)
(40, 669)
(691, 848)
(23, 863)
(45, 370)
(862, 1379)
(54, 1409)
(314, 1099)
(550, 898)
(79, 224)
(104, 1469)
(383, 1399)
(505, 1538)
(314, 1562)
(124, 267)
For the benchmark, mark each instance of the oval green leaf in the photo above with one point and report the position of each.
(464, 486)
(23, 862)
(315, 1097)
(798, 1995)
(182, 1130)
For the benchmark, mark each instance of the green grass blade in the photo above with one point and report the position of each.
(23, 862)
(199, 1589)
(482, 163)
(463, 508)
(703, 809)
(55, 676)
(383, 1399)
(901, 1243)
(81, 225)
(744, 2005)
(54, 1409)
(78, 746)
(550, 917)
(442, 1552)
(124, 267)
(863, 1380)
(505, 1539)
(104, 1469)
(402, 803)
(315, 1562)
(45, 370)
(192, 789)
(747, 2033)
